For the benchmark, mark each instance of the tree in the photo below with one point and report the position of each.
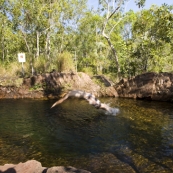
(8, 38)
(40, 24)
(152, 38)
(112, 7)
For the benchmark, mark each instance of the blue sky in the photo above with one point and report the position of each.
(131, 4)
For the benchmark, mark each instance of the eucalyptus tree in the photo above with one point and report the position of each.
(43, 27)
(152, 39)
(3, 23)
(37, 19)
(67, 31)
(28, 18)
(8, 39)
(124, 41)
(110, 8)
(90, 44)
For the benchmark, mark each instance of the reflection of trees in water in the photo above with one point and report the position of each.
(139, 139)
(167, 139)
(134, 136)
(144, 149)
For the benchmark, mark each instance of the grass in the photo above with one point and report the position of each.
(9, 75)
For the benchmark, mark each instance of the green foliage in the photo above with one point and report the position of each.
(36, 87)
(53, 33)
(151, 40)
(10, 69)
(65, 62)
(88, 70)
(40, 65)
(9, 73)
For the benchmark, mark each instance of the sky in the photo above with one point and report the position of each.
(131, 4)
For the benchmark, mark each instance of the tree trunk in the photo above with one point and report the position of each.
(109, 15)
(114, 53)
(3, 44)
(24, 36)
(3, 49)
(38, 49)
(48, 45)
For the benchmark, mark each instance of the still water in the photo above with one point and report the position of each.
(139, 139)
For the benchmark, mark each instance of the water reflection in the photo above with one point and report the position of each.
(138, 139)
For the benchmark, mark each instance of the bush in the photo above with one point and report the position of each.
(10, 70)
(9, 74)
(64, 62)
(88, 70)
(40, 64)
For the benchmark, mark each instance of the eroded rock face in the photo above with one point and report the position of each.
(51, 85)
(152, 86)
(33, 166)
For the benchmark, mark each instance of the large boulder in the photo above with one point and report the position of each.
(33, 166)
(152, 86)
(52, 85)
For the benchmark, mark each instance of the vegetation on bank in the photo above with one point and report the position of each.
(68, 36)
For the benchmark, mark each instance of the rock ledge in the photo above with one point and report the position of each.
(33, 166)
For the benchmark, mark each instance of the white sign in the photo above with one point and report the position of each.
(21, 57)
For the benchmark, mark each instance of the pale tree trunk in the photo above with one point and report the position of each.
(107, 36)
(3, 44)
(47, 50)
(3, 39)
(48, 41)
(114, 52)
(25, 39)
(31, 59)
(61, 46)
(47, 47)
(38, 46)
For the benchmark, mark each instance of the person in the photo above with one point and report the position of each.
(90, 98)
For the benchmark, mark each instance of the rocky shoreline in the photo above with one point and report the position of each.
(52, 85)
(33, 166)
(151, 86)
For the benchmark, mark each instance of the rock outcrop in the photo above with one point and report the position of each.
(51, 85)
(151, 86)
(33, 166)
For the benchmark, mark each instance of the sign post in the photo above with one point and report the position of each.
(22, 59)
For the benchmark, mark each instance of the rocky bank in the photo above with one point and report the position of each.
(51, 85)
(33, 166)
(151, 86)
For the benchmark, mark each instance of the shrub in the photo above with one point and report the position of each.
(88, 70)
(64, 62)
(10, 70)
